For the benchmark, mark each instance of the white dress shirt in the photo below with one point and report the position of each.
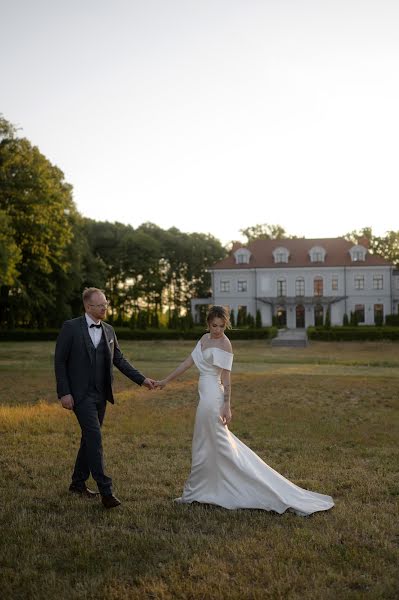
(94, 332)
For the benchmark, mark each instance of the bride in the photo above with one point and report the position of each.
(225, 471)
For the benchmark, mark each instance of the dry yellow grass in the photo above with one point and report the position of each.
(325, 417)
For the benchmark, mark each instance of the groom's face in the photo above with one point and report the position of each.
(96, 306)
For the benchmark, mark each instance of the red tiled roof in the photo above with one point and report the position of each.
(337, 254)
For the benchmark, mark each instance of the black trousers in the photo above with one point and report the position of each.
(90, 413)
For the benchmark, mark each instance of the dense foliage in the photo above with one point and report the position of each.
(49, 252)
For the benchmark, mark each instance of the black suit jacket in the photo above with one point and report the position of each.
(73, 358)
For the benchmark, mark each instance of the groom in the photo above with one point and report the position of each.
(85, 351)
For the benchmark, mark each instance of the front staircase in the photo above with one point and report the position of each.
(291, 337)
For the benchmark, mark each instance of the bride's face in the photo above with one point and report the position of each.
(216, 327)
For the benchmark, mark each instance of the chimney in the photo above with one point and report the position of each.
(363, 241)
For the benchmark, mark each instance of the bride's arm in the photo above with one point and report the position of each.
(186, 364)
(225, 413)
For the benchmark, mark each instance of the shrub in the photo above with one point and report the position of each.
(327, 322)
(392, 320)
(126, 333)
(353, 333)
(250, 320)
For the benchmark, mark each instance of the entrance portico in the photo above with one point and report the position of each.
(300, 311)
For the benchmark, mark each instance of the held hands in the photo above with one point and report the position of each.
(160, 384)
(153, 384)
(149, 383)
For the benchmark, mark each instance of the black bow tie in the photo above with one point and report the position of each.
(96, 326)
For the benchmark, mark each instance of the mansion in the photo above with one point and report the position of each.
(295, 281)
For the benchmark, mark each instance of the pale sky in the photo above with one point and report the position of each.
(212, 115)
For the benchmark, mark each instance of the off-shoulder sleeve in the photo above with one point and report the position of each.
(196, 354)
(222, 359)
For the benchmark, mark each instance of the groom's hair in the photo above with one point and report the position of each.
(88, 292)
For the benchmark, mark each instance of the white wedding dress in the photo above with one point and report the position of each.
(225, 471)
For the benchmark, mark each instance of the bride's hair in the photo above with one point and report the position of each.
(219, 312)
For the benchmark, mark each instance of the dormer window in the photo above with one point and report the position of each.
(317, 254)
(280, 255)
(358, 253)
(242, 256)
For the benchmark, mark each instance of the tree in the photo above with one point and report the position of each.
(386, 246)
(10, 254)
(327, 322)
(265, 232)
(35, 202)
(353, 320)
(183, 262)
(84, 270)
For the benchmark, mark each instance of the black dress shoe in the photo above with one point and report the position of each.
(110, 501)
(83, 491)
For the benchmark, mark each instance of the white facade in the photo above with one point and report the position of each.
(299, 296)
(344, 289)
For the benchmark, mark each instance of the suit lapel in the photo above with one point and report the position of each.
(107, 334)
(86, 337)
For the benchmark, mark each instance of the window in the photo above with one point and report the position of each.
(241, 286)
(359, 313)
(378, 282)
(300, 316)
(280, 255)
(318, 286)
(358, 253)
(300, 286)
(317, 254)
(334, 284)
(281, 287)
(378, 314)
(242, 256)
(359, 282)
(225, 286)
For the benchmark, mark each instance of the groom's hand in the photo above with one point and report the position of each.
(149, 383)
(67, 402)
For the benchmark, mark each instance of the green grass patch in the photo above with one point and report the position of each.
(325, 416)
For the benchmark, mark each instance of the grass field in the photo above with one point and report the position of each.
(325, 416)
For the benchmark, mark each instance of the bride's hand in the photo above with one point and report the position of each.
(225, 414)
(160, 384)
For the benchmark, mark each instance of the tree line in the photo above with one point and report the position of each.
(49, 252)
